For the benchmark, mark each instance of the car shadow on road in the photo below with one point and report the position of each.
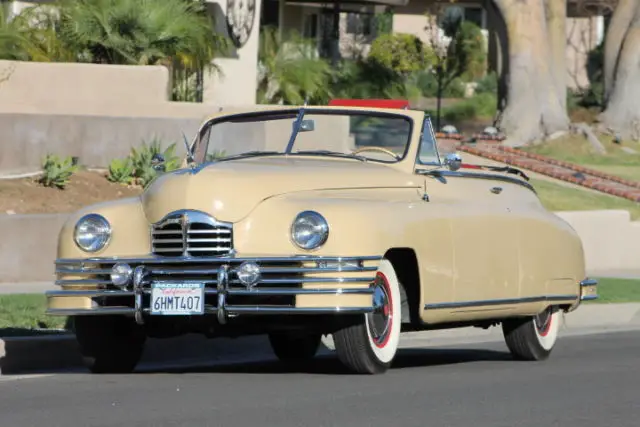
(329, 364)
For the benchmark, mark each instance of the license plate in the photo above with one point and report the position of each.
(177, 299)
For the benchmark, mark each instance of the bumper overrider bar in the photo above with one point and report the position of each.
(588, 290)
(278, 277)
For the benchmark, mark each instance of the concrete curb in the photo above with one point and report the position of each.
(56, 352)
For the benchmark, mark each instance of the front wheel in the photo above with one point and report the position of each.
(369, 346)
(532, 338)
(109, 344)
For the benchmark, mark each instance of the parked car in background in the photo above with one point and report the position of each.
(340, 219)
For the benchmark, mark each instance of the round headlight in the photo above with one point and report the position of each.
(309, 230)
(92, 233)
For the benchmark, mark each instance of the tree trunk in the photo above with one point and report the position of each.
(622, 71)
(535, 108)
(498, 49)
(556, 14)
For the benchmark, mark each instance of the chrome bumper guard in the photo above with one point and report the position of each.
(219, 274)
(588, 290)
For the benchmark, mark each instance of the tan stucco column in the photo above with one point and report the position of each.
(236, 83)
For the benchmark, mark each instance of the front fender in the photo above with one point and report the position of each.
(129, 227)
(357, 225)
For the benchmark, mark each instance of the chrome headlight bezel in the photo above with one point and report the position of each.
(320, 230)
(98, 243)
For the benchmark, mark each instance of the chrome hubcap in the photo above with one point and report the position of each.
(380, 319)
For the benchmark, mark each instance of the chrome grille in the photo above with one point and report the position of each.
(191, 234)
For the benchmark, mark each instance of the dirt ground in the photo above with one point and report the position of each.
(22, 196)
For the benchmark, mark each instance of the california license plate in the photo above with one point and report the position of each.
(177, 299)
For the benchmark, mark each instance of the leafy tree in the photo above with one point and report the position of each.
(462, 57)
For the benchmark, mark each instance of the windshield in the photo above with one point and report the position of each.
(361, 135)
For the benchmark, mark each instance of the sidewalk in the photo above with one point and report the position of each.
(26, 288)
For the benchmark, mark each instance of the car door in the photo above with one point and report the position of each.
(484, 235)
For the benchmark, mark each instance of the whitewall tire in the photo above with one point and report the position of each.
(533, 338)
(369, 346)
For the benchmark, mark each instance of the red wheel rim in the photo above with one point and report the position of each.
(543, 322)
(380, 321)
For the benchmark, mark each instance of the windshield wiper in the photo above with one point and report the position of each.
(250, 154)
(332, 154)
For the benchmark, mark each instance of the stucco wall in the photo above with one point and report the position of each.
(236, 83)
(53, 86)
(28, 247)
(96, 112)
(611, 242)
(96, 140)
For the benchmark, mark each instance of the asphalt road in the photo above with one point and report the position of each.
(590, 381)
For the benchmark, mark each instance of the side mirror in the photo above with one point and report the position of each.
(157, 162)
(453, 161)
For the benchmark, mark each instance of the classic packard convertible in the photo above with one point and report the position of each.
(341, 220)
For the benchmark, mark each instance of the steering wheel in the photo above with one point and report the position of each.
(378, 149)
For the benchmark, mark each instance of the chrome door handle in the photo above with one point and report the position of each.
(496, 190)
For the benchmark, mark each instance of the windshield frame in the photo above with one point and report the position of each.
(298, 114)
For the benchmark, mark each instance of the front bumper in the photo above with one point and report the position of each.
(288, 285)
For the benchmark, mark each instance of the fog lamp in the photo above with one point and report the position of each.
(248, 273)
(121, 275)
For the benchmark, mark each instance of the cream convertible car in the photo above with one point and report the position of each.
(336, 220)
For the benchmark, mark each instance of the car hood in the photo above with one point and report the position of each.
(229, 190)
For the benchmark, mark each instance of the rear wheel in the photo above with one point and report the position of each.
(109, 344)
(294, 347)
(369, 346)
(532, 338)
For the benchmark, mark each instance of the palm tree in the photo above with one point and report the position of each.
(290, 72)
(141, 32)
(31, 36)
(131, 32)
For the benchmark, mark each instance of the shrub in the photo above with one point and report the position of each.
(427, 82)
(57, 172)
(399, 53)
(487, 84)
(478, 106)
(470, 50)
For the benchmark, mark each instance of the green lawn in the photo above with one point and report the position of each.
(20, 314)
(631, 172)
(617, 290)
(576, 149)
(557, 197)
